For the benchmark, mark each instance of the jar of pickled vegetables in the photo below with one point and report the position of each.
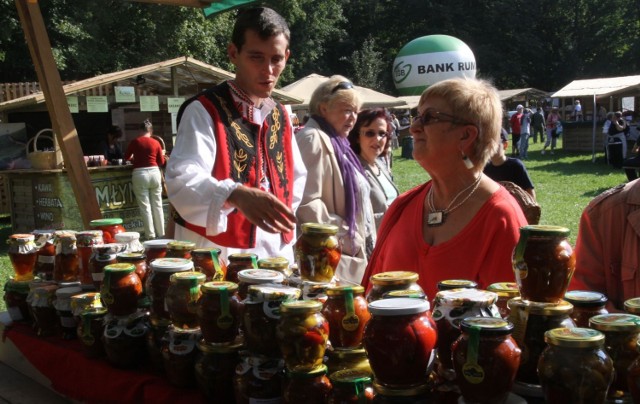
(46, 256)
(311, 387)
(219, 312)
(208, 261)
(23, 255)
(302, 333)
(633, 377)
(394, 280)
(279, 264)
(215, 370)
(238, 262)
(449, 284)
(485, 359)
(411, 395)
(350, 386)
(399, 340)
(66, 266)
(138, 260)
(505, 291)
(85, 241)
(347, 313)
(574, 367)
(121, 289)
(317, 252)
(124, 340)
(530, 321)
(586, 304)
(632, 306)
(62, 305)
(543, 262)
(180, 249)
(84, 301)
(258, 380)
(15, 299)
(158, 282)
(182, 298)
(342, 359)
(43, 311)
(110, 227)
(261, 316)
(247, 277)
(90, 331)
(103, 255)
(155, 248)
(131, 239)
(179, 356)
(621, 332)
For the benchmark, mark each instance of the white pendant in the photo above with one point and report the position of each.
(435, 218)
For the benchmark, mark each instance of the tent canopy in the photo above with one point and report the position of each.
(519, 93)
(626, 85)
(304, 87)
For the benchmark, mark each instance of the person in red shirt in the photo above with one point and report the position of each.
(147, 157)
(516, 127)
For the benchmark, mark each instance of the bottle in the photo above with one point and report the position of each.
(317, 252)
(385, 282)
(302, 334)
(109, 226)
(347, 313)
(86, 240)
(67, 260)
(22, 253)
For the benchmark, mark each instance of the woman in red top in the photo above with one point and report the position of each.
(147, 156)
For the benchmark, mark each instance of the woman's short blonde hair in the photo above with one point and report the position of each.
(336, 89)
(475, 101)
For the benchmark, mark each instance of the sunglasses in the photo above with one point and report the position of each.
(380, 134)
(343, 85)
(429, 117)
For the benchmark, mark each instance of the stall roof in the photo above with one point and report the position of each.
(526, 92)
(187, 74)
(625, 85)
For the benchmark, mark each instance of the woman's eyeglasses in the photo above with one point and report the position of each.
(371, 133)
(429, 117)
(343, 85)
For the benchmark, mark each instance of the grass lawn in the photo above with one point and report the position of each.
(565, 183)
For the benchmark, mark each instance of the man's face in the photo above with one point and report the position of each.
(259, 63)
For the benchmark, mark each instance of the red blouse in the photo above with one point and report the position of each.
(146, 152)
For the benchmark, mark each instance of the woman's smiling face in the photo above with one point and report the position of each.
(372, 139)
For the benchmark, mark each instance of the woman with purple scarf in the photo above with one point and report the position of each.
(337, 191)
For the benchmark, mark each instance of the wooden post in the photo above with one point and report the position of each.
(63, 126)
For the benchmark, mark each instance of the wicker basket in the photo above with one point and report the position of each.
(44, 160)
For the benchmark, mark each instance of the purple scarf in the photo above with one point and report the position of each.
(349, 165)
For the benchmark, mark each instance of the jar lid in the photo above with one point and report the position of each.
(574, 337)
(130, 256)
(205, 251)
(487, 325)
(90, 299)
(398, 307)
(539, 308)
(65, 235)
(402, 392)
(339, 290)
(22, 238)
(218, 348)
(586, 298)
(300, 306)
(157, 243)
(121, 267)
(89, 238)
(394, 278)
(189, 277)
(43, 233)
(465, 297)
(109, 249)
(44, 290)
(93, 312)
(319, 228)
(273, 263)
(110, 221)
(348, 377)
(544, 230)
(617, 322)
(504, 289)
(16, 286)
(218, 286)
(181, 245)
(315, 372)
(242, 257)
(272, 292)
(257, 276)
(449, 284)
(171, 264)
(64, 293)
(70, 284)
(127, 236)
(346, 354)
(632, 305)
(410, 293)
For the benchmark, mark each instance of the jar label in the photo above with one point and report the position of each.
(106, 296)
(225, 320)
(471, 371)
(271, 309)
(350, 321)
(46, 259)
(97, 277)
(519, 316)
(218, 275)
(88, 339)
(183, 345)
(15, 313)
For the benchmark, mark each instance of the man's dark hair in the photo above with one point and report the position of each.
(264, 21)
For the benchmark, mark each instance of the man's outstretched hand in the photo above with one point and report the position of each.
(263, 209)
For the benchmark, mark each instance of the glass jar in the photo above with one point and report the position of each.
(311, 387)
(347, 313)
(543, 262)
(317, 252)
(414, 395)
(632, 306)
(215, 370)
(621, 332)
(82, 302)
(279, 264)
(238, 262)
(485, 359)
(450, 308)
(85, 241)
(633, 377)
(586, 304)
(15, 300)
(530, 321)
(138, 260)
(110, 227)
(399, 340)
(103, 255)
(574, 367)
(121, 289)
(131, 239)
(179, 356)
(302, 333)
(157, 337)
(66, 266)
(159, 281)
(248, 277)
(314, 291)
(261, 316)
(208, 261)
(258, 380)
(62, 305)
(23, 255)
(90, 331)
(155, 248)
(33, 286)
(394, 280)
(182, 298)
(42, 310)
(449, 284)
(124, 340)
(46, 256)
(180, 249)
(219, 312)
(350, 386)
(343, 359)
(505, 291)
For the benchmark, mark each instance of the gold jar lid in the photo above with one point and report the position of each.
(130, 256)
(219, 348)
(339, 290)
(300, 306)
(632, 306)
(216, 287)
(505, 289)
(242, 257)
(350, 377)
(275, 263)
(409, 293)
(192, 278)
(449, 284)
(404, 392)
(394, 278)
(616, 322)
(465, 297)
(181, 245)
(319, 228)
(121, 267)
(206, 251)
(539, 308)
(487, 325)
(574, 337)
(586, 298)
(315, 372)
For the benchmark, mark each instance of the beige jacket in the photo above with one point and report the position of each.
(323, 200)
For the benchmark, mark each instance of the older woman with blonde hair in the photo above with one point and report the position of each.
(461, 224)
(336, 191)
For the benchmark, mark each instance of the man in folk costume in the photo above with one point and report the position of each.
(235, 176)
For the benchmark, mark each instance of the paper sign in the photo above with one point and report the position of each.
(125, 94)
(72, 101)
(173, 104)
(149, 103)
(97, 103)
(174, 123)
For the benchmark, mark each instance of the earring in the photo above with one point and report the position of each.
(467, 162)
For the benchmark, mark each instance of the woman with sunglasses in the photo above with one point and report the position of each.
(460, 224)
(370, 140)
(336, 191)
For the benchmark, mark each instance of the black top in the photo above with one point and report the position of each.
(512, 170)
